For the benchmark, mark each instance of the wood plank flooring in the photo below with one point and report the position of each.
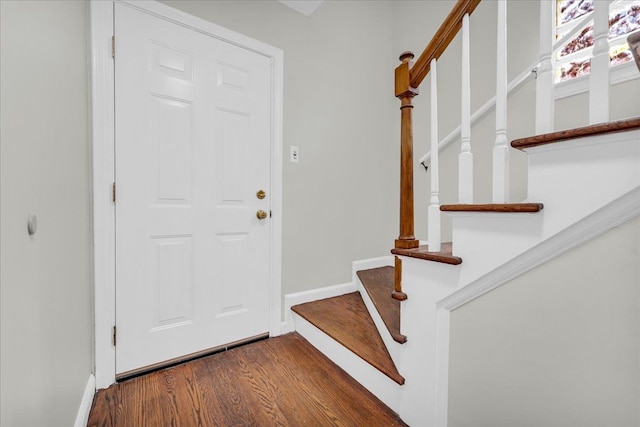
(346, 319)
(282, 381)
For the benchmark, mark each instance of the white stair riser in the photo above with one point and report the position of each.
(575, 178)
(484, 241)
(608, 168)
(383, 387)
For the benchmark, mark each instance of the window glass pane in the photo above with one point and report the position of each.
(624, 18)
(624, 21)
(620, 54)
(568, 10)
(574, 69)
(582, 41)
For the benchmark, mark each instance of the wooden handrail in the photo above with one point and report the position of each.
(441, 40)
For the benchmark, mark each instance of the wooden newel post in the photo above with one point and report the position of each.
(397, 280)
(404, 91)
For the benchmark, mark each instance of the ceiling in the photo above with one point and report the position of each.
(306, 7)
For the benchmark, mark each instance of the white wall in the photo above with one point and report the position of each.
(557, 346)
(341, 200)
(46, 316)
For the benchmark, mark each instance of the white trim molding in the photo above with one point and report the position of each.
(102, 98)
(311, 295)
(84, 410)
(367, 264)
(102, 88)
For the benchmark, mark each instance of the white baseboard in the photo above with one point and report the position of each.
(329, 291)
(85, 404)
(312, 295)
(367, 264)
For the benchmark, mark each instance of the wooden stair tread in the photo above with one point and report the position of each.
(422, 252)
(379, 284)
(563, 135)
(345, 319)
(494, 207)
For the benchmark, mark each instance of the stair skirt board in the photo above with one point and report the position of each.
(367, 264)
(312, 295)
(383, 387)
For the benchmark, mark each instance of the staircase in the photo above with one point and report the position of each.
(399, 350)
(390, 330)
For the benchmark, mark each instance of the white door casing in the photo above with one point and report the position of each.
(230, 113)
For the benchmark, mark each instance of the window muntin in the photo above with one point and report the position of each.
(569, 10)
(573, 57)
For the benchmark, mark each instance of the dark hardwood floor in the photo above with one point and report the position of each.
(281, 381)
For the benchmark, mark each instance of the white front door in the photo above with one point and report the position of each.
(192, 149)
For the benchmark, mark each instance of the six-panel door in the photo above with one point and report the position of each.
(192, 150)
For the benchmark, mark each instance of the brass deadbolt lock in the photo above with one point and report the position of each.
(261, 194)
(261, 214)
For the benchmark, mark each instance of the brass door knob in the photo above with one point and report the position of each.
(261, 214)
(261, 194)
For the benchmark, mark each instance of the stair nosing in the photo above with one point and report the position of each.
(494, 207)
(581, 132)
(422, 252)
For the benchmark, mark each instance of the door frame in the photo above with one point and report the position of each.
(103, 146)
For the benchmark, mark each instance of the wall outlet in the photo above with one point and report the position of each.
(294, 154)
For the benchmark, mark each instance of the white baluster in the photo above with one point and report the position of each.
(501, 148)
(599, 76)
(465, 168)
(434, 206)
(545, 80)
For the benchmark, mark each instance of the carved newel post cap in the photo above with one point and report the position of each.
(406, 56)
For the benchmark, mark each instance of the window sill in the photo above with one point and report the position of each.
(619, 74)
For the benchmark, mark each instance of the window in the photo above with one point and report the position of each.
(573, 58)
